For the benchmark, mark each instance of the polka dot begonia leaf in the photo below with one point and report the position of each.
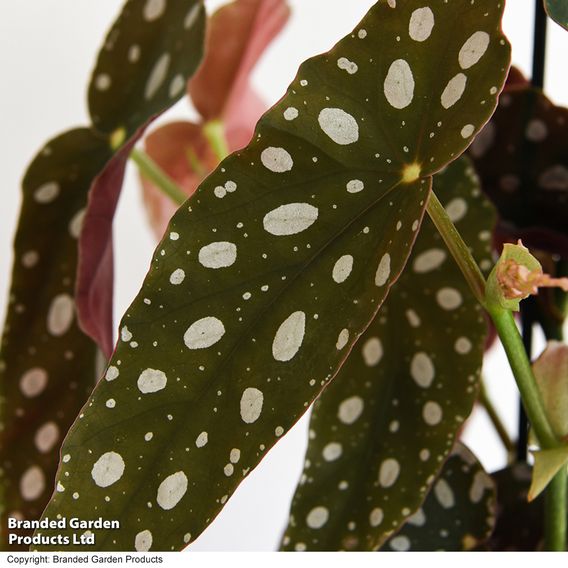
(257, 293)
(558, 11)
(146, 60)
(522, 158)
(520, 524)
(458, 514)
(48, 366)
(394, 410)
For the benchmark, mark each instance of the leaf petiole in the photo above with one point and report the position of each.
(214, 131)
(152, 172)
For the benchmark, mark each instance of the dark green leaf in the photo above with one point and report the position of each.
(558, 11)
(459, 512)
(47, 365)
(285, 253)
(143, 67)
(522, 158)
(382, 430)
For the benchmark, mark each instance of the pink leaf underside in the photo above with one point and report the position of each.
(95, 273)
(168, 147)
(238, 35)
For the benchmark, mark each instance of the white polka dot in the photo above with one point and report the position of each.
(277, 160)
(192, 16)
(413, 319)
(229, 469)
(171, 490)
(376, 517)
(432, 413)
(355, 186)
(235, 455)
(47, 192)
(399, 84)
(46, 437)
(362, 34)
(60, 315)
(148, 436)
(449, 299)
(463, 346)
(332, 451)
(339, 125)
(372, 352)
(342, 339)
(103, 82)
(418, 519)
(143, 541)
(422, 370)
(76, 224)
(481, 482)
(383, 271)
(317, 517)
(174, 236)
(218, 255)
(204, 333)
(350, 410)
(186, 537)
(345, 65)
(289, 337)
(400, 543)
(157, 76)
(389, 472)
(456, 209)
(110, 403)
(32, 483)
(342, 269)
(177, 277)
(473, 49)
(151, 380)
(278, 431)
(554, 179)
(30, 259)
(202, 439)
(154, 9)
(251, 405)
(290, 219)
(444, 494)
(291, 113)
(429, 260)
(453, 91)
(536, 131)
(125, 334)
(467, 130)
(177, 85)
(108, 469)
(134, 53)
(421, 24)
(112, 373)
(33, 382)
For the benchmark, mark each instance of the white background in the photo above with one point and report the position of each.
(47, 49)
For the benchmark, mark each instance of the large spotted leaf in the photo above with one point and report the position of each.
(149, 53)
(558, 11)
(459, 512)
(47, 365)
(522, 158)
(381, 432)
(287, 246)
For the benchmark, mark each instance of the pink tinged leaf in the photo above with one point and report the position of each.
(238, 35)
(169, 147)
(95, 273)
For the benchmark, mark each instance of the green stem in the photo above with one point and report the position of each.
(152, 172)
(214, 131)
(459, 250)
(555, 513)
(522, 370)
(488, 406)
(556, 494)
